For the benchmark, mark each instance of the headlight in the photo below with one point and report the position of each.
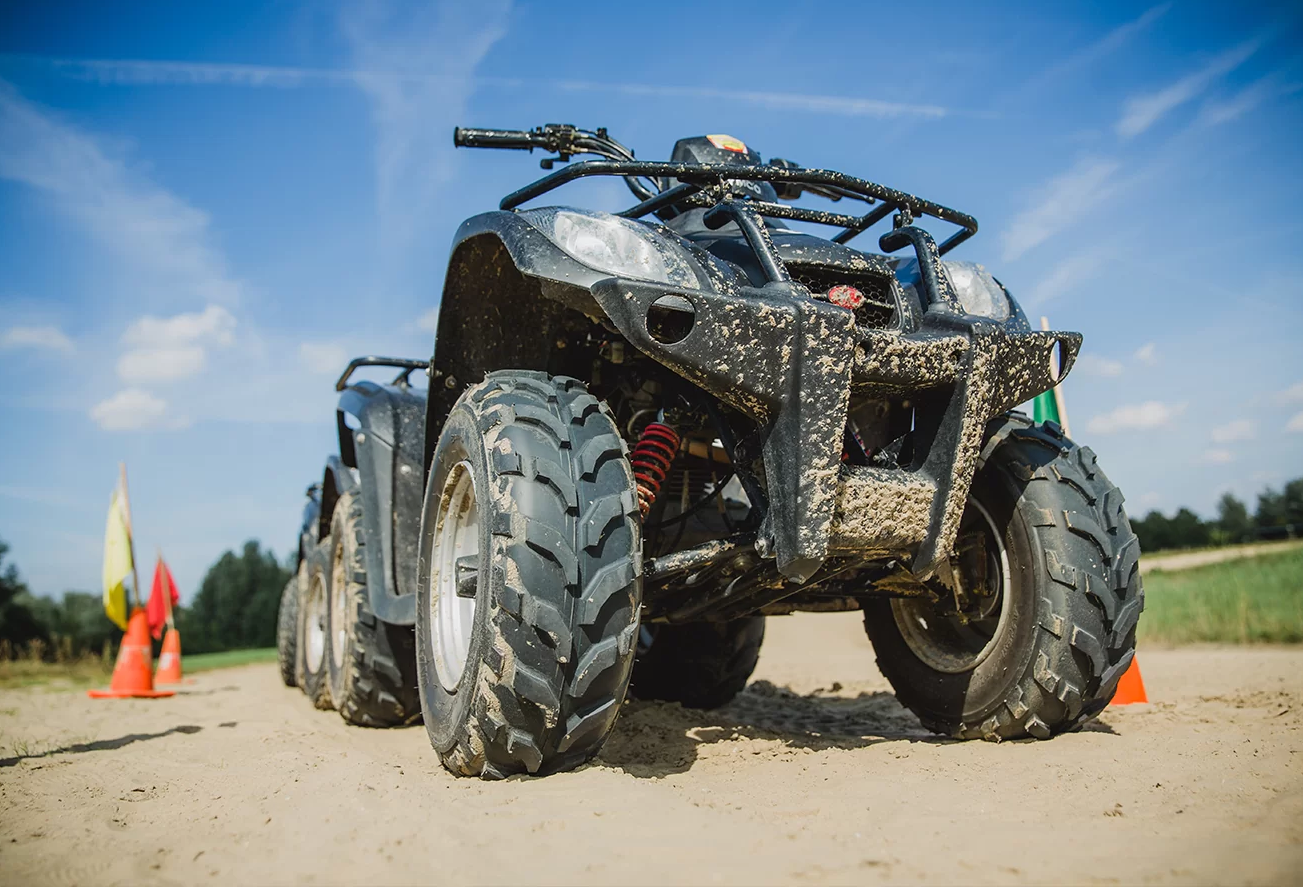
(616, 245)
(978, 291)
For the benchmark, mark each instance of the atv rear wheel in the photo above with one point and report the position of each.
(1050, 591)
(287, 631)
(371, 664)
(530, 578)
(701, 664)
(314, 627)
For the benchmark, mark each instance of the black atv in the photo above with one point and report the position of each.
(645, 432)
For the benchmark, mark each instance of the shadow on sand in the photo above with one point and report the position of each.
(100, 744)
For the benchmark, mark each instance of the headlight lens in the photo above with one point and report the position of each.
(978, 291)
(616, 245)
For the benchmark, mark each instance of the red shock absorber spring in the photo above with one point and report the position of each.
(651, 458)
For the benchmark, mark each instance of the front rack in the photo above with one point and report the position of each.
(406, 365)
(706, 185)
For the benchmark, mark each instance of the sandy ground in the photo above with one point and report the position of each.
(803, 780)
(1185, 560)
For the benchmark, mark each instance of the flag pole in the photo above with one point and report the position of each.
(131, 536)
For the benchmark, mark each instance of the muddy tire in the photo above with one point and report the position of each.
(701, 664)
(287, 632)
(314, 627)
(371, 664)
(530, 578)
(1067, 614)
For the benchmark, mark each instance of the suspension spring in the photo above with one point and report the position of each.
(651, 458)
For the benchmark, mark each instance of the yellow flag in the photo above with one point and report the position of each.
(117, 561)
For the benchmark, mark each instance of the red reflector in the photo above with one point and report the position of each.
(846, 297)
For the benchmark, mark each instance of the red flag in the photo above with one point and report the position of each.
(159, 607)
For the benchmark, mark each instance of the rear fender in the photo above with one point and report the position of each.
(387, 446)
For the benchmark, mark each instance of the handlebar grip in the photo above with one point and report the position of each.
(464, 137)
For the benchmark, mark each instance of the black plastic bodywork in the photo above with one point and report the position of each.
(381, 450)
(781, 356)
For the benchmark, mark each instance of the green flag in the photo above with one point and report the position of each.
(1044, 408)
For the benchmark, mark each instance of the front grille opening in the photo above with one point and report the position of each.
(879, 308)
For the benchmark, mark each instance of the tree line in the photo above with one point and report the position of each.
(235, 608)
(1279, 515)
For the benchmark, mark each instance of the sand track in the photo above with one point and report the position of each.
(815, 775)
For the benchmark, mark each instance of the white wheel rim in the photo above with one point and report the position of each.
(912, 616)
(338, 605)
(314, 623)
(455, 560)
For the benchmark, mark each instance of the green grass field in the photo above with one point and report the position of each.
(89, 671)
(1248, 601)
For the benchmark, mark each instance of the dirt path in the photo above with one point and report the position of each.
(802, 780)
(1185, 560)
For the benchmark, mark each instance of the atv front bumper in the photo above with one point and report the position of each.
(792, 362)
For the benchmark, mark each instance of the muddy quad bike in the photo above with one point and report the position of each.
(647, 431)
(345, 629)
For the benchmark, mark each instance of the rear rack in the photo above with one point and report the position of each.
(407, 366)
(706, 185)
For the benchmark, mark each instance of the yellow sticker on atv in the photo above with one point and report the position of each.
(727, 143)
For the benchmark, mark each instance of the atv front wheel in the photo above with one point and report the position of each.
(530, 578)
(372, 664)
(314, 627)
(1032, 635)
(700, 664)
(287, 622)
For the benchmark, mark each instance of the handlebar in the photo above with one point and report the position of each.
(466, 137)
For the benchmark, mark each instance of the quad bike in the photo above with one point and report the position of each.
(645, 432)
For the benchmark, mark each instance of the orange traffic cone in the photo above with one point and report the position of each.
(169, 659)
(132, 674)
(1131, 687)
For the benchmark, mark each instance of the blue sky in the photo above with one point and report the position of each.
(204, 209)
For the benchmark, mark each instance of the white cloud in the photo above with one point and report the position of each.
(1064, 198)
(323, 357)
(1136, 417)
(161, 364)
(136, 72)
(1147, 353)
(171, 348)
(213, 324)
(45, 338)
(1220, 111)
(1216, 456)
(1295, 423)
(1240, 429)
(1065, 276)
(1292, 394)
(433, 49)
(134, 410)
(429, 321)
(163, 240)
(1094, 365)
(1142, 112)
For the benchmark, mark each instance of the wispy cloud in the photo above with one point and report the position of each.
(133, 409)
(1147, 354)
(1292, 394)
(1058, 204)
(167, 349)
(433, 51)
(41, 338)
(1237, 430)
(163, 238)
(1094, 52)
(1094, 365)
(1226, 110)
(1136, 417)
(1064, 277)
(323, 358)
(1295, 423)
(140, 72)
(1216, 456)
(1142, 112)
